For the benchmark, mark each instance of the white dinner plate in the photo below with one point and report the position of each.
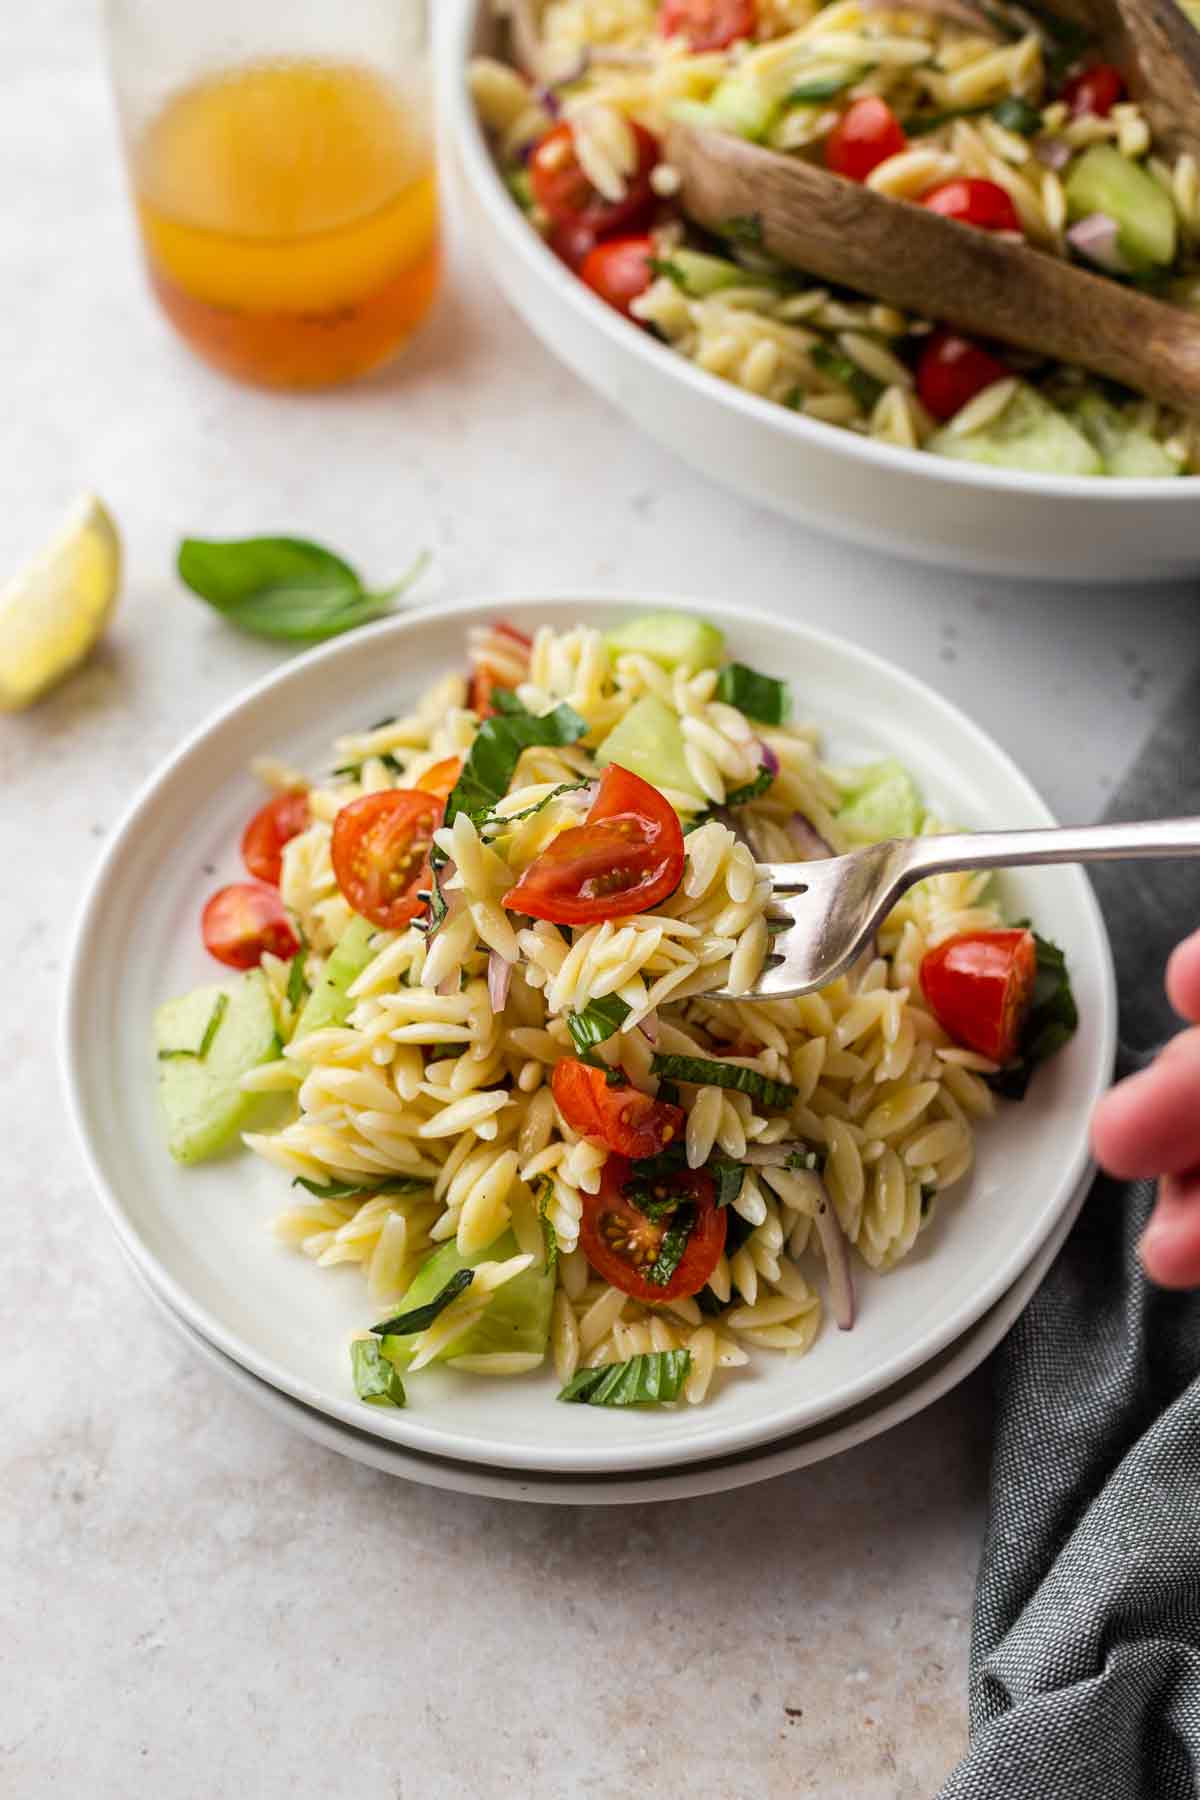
(963, 515)
(800, 1451)
(201, 1233)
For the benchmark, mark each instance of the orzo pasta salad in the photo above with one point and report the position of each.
(992, 113)
(470, 1005)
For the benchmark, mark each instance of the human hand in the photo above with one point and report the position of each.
(1149, 1124)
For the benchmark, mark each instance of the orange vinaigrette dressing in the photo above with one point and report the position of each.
(289, 214)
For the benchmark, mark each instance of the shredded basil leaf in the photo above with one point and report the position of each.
(1052, 1021)
(220, 1006)
(375, 1380)
(352, 1190)
(284, 588)
(812, 1161)
(297, 986)
(706, 1072)
(674, 1243)
(728, 1177)
(527, 812)
(405, 1324)
(823, 89)
(647, 1380)
(596, 1023)
(740, 796)
(865, 388)
(1016, 114)
(758, 696)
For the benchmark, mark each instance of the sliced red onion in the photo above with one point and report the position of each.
(548, 100)
(499, 980)
(1096, 238)
(809, 842)
(767, 758)
(837, 1262)
(1052, 152)
(649, 1027)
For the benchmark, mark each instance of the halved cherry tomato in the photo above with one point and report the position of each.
(572, 243)
(708, 24)
(1095, 90)
(242, 922)
(619, 270)
(630, 1122)
(951, 371)
(623, 1245)
(442, 778)
(563, 190)
(380, 852)
(973, 201)
(980, 986)
(272, 826)
(867, 133)
(625, 857)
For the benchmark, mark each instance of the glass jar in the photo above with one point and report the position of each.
(282, 166)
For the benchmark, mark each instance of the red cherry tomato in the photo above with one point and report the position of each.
(564, 192)
(951, 371)
(572, 243)
(973, 201)
(242, 922)
(708, 24)
(980, 986)
(630, 1122)
(625, 857)
(1095, 90)
(623, 1245)
(619, 270)
(442, 778)
(272, 826)
(867, 133)
(380, 853)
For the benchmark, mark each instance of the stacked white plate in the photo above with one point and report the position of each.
(278, 1325)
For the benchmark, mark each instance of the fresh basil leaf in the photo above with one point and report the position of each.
(1016, 114)
(758, 696)
(287, 589)
(674, 1243)
(812, 1161)
(743, 228)
(297, 985)
(924, 123)
(865, 388)
(1053, 1018)
(220, 1006)
(375, 1380)
(406, 1324)
(740, 796)
(390, 762)
(597, 1022)
(648, 1380)
(364, 1190)
(727, 1176)
(823, 89)
(494, 755)
(706, 1072)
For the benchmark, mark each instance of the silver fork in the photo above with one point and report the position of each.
(830, 909)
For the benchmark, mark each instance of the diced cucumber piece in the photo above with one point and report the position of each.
(883, 803)
(1127, 448)
(735, 105)
(698, 274)
(202, 1104)
(517, 1319)
(330, 1002)
(1028, 434)
(676, 640)
(649, 742)
(1104, 181)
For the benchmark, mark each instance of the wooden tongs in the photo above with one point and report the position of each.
(841, 231)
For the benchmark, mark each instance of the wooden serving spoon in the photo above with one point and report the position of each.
(841, 231)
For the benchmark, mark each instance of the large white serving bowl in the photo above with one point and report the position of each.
(962, 515)
(201, 1234)
(903, 1400)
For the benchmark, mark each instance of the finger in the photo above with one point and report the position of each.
(1183, 978)
(1149, 1124)
(1170, 1246)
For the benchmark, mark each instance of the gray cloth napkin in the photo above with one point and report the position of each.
(1085, 1654)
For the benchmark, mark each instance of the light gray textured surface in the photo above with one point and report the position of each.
(193, 1601)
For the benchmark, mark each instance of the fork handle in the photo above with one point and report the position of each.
(1057, 844)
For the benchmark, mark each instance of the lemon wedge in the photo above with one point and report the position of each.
(54, 610)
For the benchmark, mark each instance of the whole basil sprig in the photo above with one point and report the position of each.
(284, 588)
